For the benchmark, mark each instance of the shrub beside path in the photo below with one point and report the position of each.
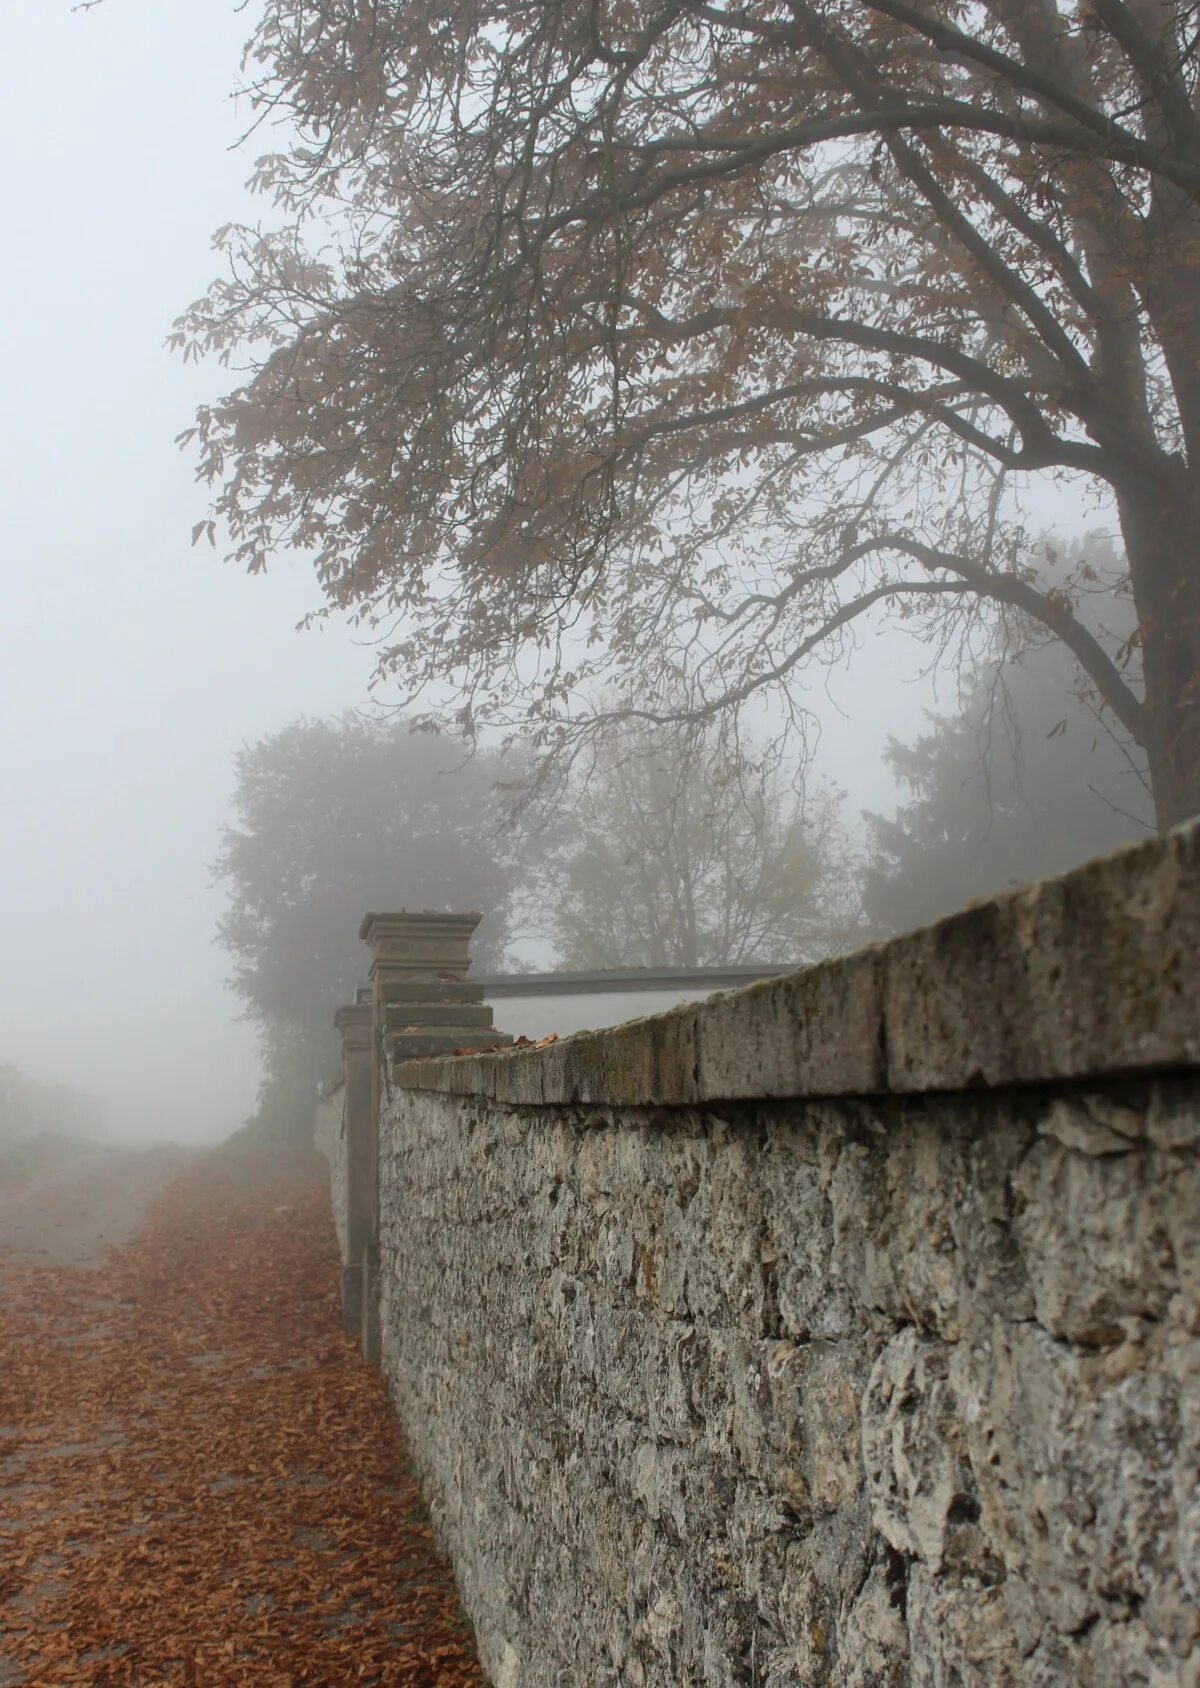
(201, 1483)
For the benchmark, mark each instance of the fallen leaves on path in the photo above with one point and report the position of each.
(201, 1483)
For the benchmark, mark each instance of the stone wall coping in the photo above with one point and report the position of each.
(607, 980)
(352, 1014)
(1091, 975)
(404, 919)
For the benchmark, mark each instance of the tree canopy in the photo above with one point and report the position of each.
(675, 855)
(603, 338)
(333, 819)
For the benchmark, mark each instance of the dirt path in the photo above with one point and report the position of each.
(201, 1485)
(82, 1201)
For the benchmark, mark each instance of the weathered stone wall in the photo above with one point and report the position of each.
(844, 1330)
(329, 1139)
(837, 1392)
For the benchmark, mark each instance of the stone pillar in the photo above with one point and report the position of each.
(357, 1026)
(423, 1004)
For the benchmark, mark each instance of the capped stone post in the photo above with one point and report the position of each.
(356, 1022)
(423, 1004)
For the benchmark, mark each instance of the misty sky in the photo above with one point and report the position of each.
(131, 666)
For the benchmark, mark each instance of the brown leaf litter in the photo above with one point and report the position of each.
(202, 1485)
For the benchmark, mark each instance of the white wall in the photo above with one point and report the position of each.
(538, 1016)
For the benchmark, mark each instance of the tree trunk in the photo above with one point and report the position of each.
(1162, 540)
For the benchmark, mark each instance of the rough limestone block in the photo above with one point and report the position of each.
(811, 1033)
(424, 1040)
(875, 1391)
(1087, 975)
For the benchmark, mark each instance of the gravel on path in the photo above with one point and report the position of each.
(81, 1199)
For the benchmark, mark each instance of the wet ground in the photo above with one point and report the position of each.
(65, 1206)
(201, 1483)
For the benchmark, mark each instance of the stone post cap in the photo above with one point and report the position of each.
(423, 941)
(379, 927)
(356, 1022)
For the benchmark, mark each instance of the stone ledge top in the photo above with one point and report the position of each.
(1091, 975)
(419, 919)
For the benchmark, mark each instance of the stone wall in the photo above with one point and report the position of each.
(329, 1139)
(842, 1330)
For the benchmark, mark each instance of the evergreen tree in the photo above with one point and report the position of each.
(1027, 781)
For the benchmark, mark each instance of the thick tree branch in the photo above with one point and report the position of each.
(1042, 447)
(971, 50)
(1158, 75)
(1050, 609)
(773, 673)
(905, 401)
(734, 154)
(1040, 317)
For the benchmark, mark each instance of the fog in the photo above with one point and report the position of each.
(132, 665)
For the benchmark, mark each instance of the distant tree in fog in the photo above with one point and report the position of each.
(334, 819)
(1028, 779)
(589, 337)
(29, 1107)
(677, 853)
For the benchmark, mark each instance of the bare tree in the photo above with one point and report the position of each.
(673, 855)
(615, 337)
